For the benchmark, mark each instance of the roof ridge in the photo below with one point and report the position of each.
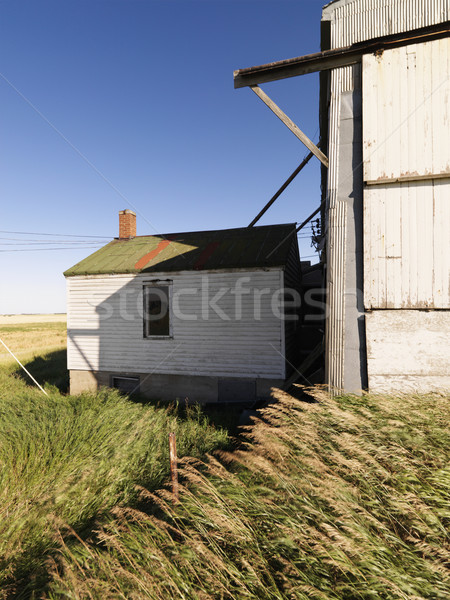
(203, 231)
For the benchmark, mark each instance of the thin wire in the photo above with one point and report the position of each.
(55, 234)
(83, 156)
(26, 371)
(46, 243)
(50, 249)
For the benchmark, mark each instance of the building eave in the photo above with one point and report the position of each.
(335, 58)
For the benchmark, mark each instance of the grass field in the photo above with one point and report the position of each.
(345, 499)
(342, 499)
(70, 459)
(36, 318)
(31, 339)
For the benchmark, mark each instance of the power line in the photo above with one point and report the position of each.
(104, 237)
(50, 249)
(46, 243)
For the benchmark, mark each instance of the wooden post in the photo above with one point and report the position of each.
(290, 125)
(173, 465)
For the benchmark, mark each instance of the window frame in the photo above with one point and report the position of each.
(156, 283)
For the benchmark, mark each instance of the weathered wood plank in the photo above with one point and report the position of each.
(290, 125)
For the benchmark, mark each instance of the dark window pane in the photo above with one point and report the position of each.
(156, 310)
(127, 385)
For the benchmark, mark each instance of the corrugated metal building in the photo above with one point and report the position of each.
(198, 314)
(388, 209)
(385, 131)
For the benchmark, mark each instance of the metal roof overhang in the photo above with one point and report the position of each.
(339, 57)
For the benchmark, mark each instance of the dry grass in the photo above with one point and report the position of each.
(32, 319)
(344, 499)
(71, 459)
(29, 340)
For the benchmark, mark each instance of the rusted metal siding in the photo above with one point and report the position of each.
(359, 20)
(406, 112)
(406, 129)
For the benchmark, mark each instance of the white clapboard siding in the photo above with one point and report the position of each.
(407, 351)
(407, 245)
(105, 326)
(406, 121)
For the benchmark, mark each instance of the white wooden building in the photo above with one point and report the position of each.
(197, 315)
(385, 134)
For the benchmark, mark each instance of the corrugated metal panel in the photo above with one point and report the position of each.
(265, 246)
(406, 131)
(105, 326)
(360, 20)
(406, 121)
(342, 80)
(410, 224)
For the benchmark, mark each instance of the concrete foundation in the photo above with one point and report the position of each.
(171, 387)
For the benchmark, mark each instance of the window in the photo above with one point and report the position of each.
(157, 318)
(127, 385)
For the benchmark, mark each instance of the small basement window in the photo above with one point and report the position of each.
(126, 385)
(157, 309)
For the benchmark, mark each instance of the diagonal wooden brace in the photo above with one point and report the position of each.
(290, 125)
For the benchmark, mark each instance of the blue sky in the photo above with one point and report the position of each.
(113, 104)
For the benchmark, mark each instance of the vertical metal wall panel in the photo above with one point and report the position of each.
(406, 133)
(334, 328)
(406, 242)
(343, 80)
(405, 112)
(358, 20)
(408, 351)
(407, 245)
(441, 271)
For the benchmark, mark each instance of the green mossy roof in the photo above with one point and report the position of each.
(266, 246)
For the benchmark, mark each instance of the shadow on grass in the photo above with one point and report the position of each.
(50, 368)
(226, 416)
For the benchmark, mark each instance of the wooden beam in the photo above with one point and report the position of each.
(311, 63)
(290, 125)
(291, 178)
(336, 57)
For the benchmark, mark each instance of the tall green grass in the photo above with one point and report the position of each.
(344, 499)
(71, 459)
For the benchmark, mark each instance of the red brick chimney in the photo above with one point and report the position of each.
(127, 224)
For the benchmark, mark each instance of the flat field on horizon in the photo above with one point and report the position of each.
(37, 318)
(31, 336)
